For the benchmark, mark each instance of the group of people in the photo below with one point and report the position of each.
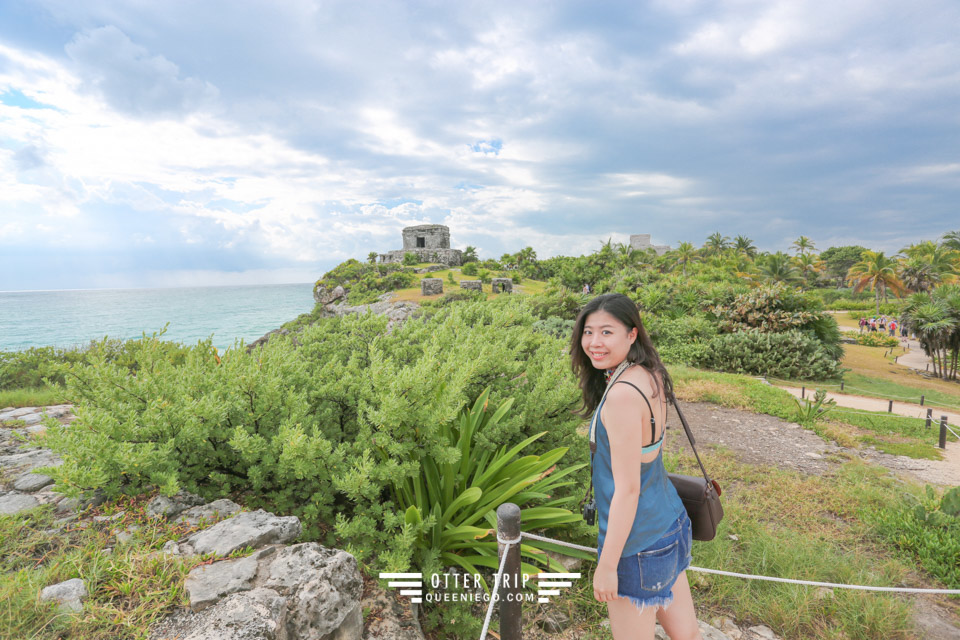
(883, 324)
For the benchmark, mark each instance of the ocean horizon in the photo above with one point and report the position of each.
(73, 317)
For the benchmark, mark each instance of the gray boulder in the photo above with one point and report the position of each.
(208, 583)
(258, 614)
(323, 587)
(216, 510)
(249, 529)
(170, 507)
(390, 617)
(431, 286)
(30, 482)
(16, 502)
(69, 594)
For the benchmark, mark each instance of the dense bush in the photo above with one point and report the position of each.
(681, 340)
(867, 307)
(302, 431)
(929, 528)
(791, 354)
(873, 339)
(469, 269)
(555, 326)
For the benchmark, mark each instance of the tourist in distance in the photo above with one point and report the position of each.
(645, 535)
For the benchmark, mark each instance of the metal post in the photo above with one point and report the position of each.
(890, 408)
(943, 432)
(511, 603)
(929, 417)
(922, 398)
(803, 393)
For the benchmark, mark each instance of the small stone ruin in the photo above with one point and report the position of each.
(502, 285)
(429, 242)
(472, 285)
(431, 286)
(641, 242)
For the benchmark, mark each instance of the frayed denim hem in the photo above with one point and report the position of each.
(658, 601)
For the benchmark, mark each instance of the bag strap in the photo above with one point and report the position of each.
(653, 420)
(693, 445)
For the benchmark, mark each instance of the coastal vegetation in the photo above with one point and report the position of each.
(398, 445)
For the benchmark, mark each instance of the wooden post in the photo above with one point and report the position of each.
(508, 528)
(803, 393)
(929, 417)
(943, 432)
(922, 398)
(890, 408)
(841, 385)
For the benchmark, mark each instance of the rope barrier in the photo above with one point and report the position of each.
(749, 576)
(493, 594)
(873, 394)
(953, 432)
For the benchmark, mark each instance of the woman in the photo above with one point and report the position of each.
(645, 535)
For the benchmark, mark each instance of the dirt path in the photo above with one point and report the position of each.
(943, 472)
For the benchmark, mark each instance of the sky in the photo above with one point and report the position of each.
(175, 143)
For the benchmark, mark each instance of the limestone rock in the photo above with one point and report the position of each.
(30, 482)
(258, 614)
(208, 583)
(249, 529)
(170, 507)
(390, 617)
(69, 594)
(208, 512)
(761, 632)
(472, 285)
(16, 502)
(554, 621)
(323, 587)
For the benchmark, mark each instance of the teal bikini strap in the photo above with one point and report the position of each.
(650, 448)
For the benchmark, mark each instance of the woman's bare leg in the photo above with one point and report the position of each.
(679, 620)
(626, 621)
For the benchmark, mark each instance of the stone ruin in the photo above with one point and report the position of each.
(429, 242)
(641, 242)
(431, 286)
(471, 285)
(502, 285)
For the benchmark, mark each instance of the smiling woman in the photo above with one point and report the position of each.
(644, 538)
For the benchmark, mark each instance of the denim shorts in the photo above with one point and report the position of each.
(646, 579)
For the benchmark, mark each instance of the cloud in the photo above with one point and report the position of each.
(131, 79)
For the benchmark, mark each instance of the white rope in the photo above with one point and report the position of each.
(493, 594)
(932, 403)
(768, 578)
(875, 415)
(953, 432)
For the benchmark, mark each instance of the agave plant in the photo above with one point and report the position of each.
(451, 506)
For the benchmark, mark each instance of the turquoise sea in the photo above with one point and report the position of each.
(71, 318)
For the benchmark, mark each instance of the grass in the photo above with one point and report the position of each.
(786, 524)
(33, 397)
(128, 589)
(412, 294)
(906, 436)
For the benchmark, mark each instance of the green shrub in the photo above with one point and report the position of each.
(790, 355)
(469, 269)
(682, 340)
(873, 339)
(928, 527)
(410, 259)
(867, 307)
(484, 276)
(555, 326)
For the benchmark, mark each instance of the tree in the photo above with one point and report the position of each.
(525, 256)
(935, 319)
(917, 275)
(469, 254)
(685, 254)
(716, 243)
(803, 244)
(779, 267)
(951, 240)
(838, 261)
(943, 260)
(744, 245)
(809, 264)
(876, 271)
(372, 257)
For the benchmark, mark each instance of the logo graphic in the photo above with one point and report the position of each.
(413, 580)
(548, 583)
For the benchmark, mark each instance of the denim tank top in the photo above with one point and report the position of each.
(659, 505)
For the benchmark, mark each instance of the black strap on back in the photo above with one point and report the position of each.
(653, 420)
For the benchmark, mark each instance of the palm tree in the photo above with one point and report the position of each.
(372, 257)
(743, 244)
(803, 244)
(469, 254)
(525, 256)
(917, 275)
(686, 253)
(778, 267)
(942, 260)
(809, 263)
(716, 243)
(951, 240)
(935, 319)
(876, 271)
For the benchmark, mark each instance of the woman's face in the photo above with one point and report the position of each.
(606, 340)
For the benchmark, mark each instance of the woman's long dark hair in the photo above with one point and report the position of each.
(642, 351)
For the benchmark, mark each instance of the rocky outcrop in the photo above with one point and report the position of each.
(69, 595)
